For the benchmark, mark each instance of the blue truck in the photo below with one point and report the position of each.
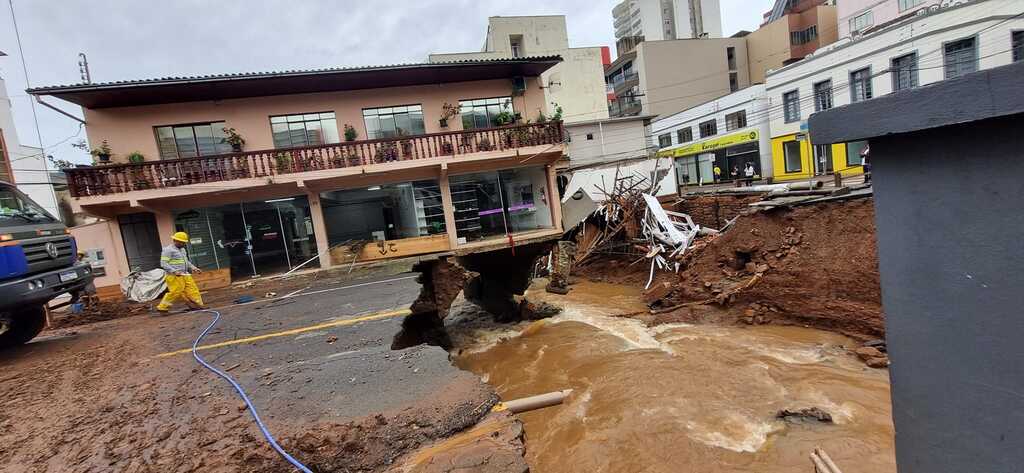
(38, 262)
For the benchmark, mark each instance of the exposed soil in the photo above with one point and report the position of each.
(97, 312)
(814, 265)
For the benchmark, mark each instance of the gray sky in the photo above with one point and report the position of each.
(136, 39)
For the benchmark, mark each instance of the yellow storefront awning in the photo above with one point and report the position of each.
(710, 145)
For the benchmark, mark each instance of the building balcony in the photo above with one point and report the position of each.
(363, 157)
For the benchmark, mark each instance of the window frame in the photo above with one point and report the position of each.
(788, 115)
(868, 24)
(901, 4)
(371, 135)
(818, 95)
(896, 74)
(511, 108)
(326, 138)
(1017, 51)
(869, 92)
(945, 56)
(684, 135)
(846, 147)
(740, 122)
(714, 128)
(664, 140)
(799, 155)
(224, 149)
(734, 81)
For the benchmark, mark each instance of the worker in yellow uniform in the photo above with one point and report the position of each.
(180, 284)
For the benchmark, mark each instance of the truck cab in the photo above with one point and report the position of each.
(38, 262)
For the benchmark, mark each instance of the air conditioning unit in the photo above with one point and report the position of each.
(518, 85)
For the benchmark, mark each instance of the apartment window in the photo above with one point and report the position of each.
(684, 135)
(708, 128)
(904, 72)
(855, 152)
(860, 85)
(388, 122)
(484, 113)
(736, 120)
(908, 4)
(306, 129)
(189, 141)
(791, 106)
(734, 82)
(797, 38)
(730, 56)
(665, 140)
(862, 21)
(515, 42)
(961, 57)
(791, 154)
(1018, 45)
(823, 95)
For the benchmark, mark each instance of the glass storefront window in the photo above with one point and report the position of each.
(383, 212)
(497, 203)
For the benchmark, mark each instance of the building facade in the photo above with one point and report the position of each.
(792, 30)
(338, 165)
(657, 20)
(728, 132)
(937, 44)
(24, 166)
(576, 84)
(665, 77)
(860, 16)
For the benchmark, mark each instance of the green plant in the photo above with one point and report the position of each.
(103, 151)
(541, 118)
(350, 133)
(233, 138)
(385, 153)
(136, 157)
(504, 118)
(447, 112)
(558, 112)
(283, 162)
(484, 144)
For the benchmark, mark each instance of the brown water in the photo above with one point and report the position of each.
(679, 398)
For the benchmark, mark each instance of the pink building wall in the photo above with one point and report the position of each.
(129, 129)
(106, 236)
(881, 10)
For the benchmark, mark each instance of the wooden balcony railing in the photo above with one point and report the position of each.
(119, 178)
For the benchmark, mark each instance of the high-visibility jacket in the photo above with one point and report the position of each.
(174, 260)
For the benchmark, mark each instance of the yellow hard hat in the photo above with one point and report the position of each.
(180, 236)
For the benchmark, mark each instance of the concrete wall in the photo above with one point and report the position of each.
(130, 129)
(881, 10)
(608, 141)
(680, 74)
(541, 34)
(950, 265)
(106, 236)
(767, 48)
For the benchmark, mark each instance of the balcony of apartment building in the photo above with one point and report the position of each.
(338, 165)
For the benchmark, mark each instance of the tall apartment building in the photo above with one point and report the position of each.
(860, 16)
(654, 20)
(576, 84)
(22, 165)
(792, 30)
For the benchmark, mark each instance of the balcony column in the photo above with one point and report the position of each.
(449, 208)
(316, 212)
(164, 225)
(553, 199)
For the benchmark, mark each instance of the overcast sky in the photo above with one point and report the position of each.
(137, 39)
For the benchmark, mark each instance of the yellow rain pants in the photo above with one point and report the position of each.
(178, 288)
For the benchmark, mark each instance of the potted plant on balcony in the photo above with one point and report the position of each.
(136, 157)
(386, 152)
(350, 133)
(447, 149)
(484, 144)
(101, 153)
(283, 162)
(233, 138)
(504, 118)
(448, 111)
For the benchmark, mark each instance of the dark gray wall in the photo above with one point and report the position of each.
(950, 214)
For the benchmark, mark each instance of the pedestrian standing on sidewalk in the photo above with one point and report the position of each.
(735, 175)
(718, 174)
(180, 284)
(748, 174)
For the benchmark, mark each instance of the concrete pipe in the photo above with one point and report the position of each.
(531, 403)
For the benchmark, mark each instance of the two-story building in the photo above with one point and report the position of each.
(933, 44)
(338, 165)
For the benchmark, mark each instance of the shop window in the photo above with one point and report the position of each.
(498, 203)
(389, 122)
(822, 95)
(189, 141)
(904, 72)
(860, 85)
(685, 135)
(708, 128)
(823, 159)
(383, 212)
(305, 129)
(791, 155)
(485, 113)
(855, 151)
(664, 140)
(791, 106)
(961, 57)
(736, 120)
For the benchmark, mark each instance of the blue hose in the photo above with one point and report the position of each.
(241, 392)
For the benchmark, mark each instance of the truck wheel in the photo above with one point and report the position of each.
(25, 324)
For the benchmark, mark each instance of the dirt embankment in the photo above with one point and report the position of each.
(814, 265)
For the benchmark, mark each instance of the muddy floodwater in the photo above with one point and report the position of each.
(678, 398)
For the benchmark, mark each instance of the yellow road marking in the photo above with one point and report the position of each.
(285, 333)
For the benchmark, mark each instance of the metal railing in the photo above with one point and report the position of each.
(120, 178)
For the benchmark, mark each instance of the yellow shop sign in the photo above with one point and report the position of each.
(710, 145)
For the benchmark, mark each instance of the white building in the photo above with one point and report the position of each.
(576, 84)
(23, 165)
(934, 44)
(667, 19)
(728, 132)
